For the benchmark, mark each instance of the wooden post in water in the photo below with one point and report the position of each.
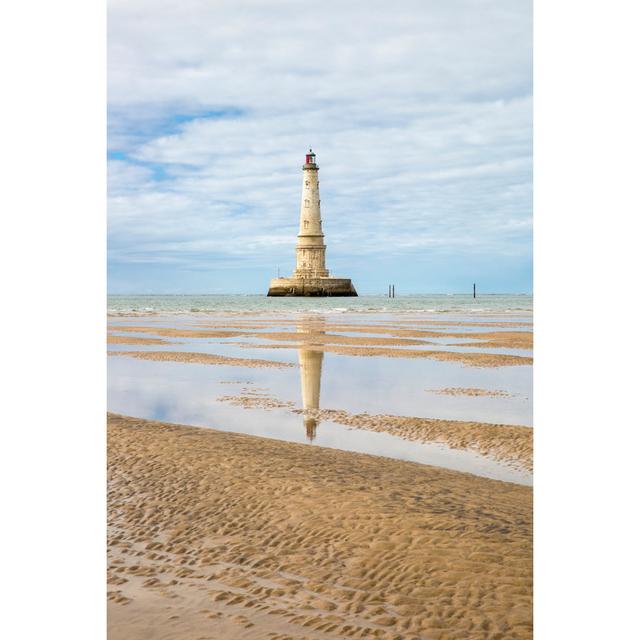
(393, 290)
(474, 290)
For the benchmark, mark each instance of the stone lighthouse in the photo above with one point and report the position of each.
(311, 277)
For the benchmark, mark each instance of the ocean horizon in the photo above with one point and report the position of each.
(259, 303)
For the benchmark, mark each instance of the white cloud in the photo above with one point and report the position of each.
(420, 113)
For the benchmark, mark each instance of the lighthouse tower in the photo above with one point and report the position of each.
(311, 276)
(310, 250)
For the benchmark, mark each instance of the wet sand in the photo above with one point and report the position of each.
(319, 332)
(111, 339)
(474, 392)
(170, 332)
(508, 443)
(257, 323)
(255, 401)
(467, 359)
(218, 535)
(507, 339)
(500, 340)
(199, 358)
(321, 338)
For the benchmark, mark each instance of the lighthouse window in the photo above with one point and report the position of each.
(306, 204)
(306, 224)
(306, 183)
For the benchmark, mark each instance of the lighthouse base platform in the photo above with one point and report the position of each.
(311, 287)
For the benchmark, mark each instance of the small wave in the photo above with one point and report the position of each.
(147, 305)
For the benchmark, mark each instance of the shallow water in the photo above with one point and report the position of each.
(377, 384)
(191, 393)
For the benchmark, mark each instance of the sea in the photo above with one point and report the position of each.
(487, 304)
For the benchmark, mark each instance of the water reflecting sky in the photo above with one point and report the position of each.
(190, 394)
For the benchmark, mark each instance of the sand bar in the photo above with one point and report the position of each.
(257, 323)
(318, 333)
(320, 338)
(507, 443)
(177, 333)
(506, 339)
(474, 392)
(199, 358)
(467, 359)
(490, 339)
(504, 442)
(111, 339)
(219, 535)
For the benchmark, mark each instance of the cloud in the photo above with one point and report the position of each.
(420, 113)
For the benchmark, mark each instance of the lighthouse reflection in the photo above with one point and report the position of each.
(310, 374)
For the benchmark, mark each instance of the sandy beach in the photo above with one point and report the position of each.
(224, 523)
(319, 323)
(218, 535)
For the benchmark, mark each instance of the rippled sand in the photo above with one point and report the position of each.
(217, 535)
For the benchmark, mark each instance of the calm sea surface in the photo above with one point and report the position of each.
(436, 304)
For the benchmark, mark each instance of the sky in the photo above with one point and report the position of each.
(420, 113)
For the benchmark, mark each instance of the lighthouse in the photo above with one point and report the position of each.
(311, 277)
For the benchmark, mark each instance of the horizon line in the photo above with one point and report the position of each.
(384, 295)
